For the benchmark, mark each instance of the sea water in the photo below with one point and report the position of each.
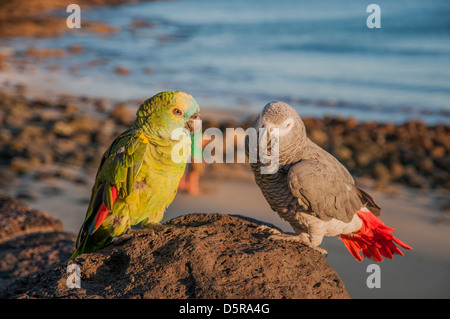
(319, 56)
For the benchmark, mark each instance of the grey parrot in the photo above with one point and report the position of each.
(314, 192)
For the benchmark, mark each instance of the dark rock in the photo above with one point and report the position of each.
(121, 70)
(426, 165)
(123, 115)
(85, 124)
(438, 151)
(32, 253)
(19, 219)
(443, 162)
(23, 165)
(381, 172)
(62, 128)
(414, 179)
(318, 136)
(75, 49)
(363, 159)
(343, 153)
(195, 256)
(396, 169)
(105, 134)
(70, 109)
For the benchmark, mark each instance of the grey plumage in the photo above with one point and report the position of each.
(312, 190)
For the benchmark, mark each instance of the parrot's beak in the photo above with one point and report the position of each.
(190, 124)
(271, 132)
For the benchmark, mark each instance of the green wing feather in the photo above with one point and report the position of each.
(119, 167)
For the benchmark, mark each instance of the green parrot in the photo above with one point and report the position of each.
(138, 177)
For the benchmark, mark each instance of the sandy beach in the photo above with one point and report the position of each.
(55, 125)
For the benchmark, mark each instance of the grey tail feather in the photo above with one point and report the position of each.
(369, 202)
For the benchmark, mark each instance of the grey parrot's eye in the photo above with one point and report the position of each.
(177, 112)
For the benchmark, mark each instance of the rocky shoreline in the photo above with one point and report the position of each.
(46, 18)
(65, 137)
(30, 240)
(413, 154)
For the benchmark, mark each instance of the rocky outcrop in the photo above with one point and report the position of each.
(193, 256)
(19, 219)
(30, 240)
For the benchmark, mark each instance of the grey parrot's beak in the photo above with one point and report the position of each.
(271, 132)
(190, 124)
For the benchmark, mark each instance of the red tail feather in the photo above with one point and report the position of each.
(103, 211)
(374, 239)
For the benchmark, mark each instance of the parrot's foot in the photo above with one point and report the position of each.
(157, 227)
(301, 238)
(269, 230)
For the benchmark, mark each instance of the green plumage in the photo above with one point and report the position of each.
(138, 170)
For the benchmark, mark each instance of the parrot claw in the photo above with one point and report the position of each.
(270, 230)
(300, 238)
(157, 227)
(322, 251)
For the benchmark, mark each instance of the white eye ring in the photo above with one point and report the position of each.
(286, 126)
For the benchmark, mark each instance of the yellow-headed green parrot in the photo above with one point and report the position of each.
(138, 176)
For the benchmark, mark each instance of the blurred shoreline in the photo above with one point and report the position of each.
(134, 49)
(66, 135)
(42, 18)
(50, 149)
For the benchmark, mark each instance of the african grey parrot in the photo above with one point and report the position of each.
(314, 192)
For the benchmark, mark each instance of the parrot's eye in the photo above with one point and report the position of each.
(286, 126)
(177, 112)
